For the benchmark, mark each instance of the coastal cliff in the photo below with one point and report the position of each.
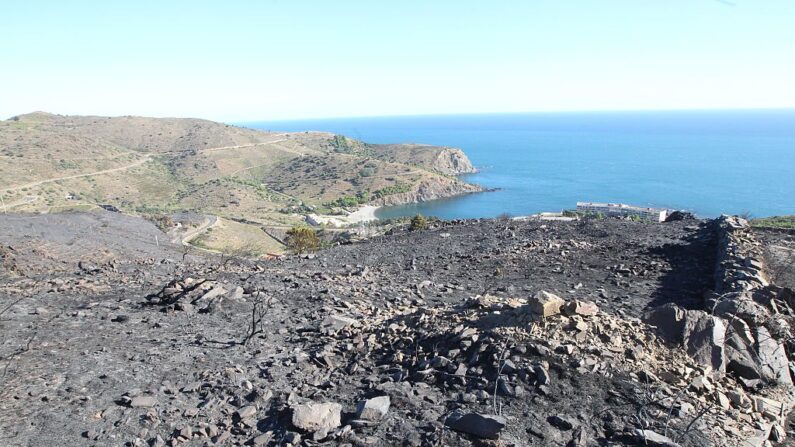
(430, 189)
(453, 161)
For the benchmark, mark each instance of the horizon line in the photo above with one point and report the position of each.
(528, 112)
(420, 115)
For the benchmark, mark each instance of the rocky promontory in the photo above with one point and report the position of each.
(431, 189)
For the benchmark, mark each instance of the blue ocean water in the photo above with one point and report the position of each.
(707, 162)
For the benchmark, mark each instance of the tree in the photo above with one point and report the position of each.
(418, 222)
(302, 239)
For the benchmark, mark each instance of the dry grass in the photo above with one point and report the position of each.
(235, 238)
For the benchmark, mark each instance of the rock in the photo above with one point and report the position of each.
(769, 408)
(335, 323)
(560, 423)
(773, 362)
(654, 439)
(237, 294)
(701, 384)
(373, 409)
(143, 402)
(669, 321)
(777, 433)
(312, 417)
(740, 353)
(704, 339)
(723, 400)
(542, 375)
(545, 304)
(702, 335)
(292, 438)
(262, 439)
(579, 438)
(577, 307)
(120, 319)
(475, 424)
(213, 293)
(246, 412)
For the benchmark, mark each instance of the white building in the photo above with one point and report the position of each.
(622, 210)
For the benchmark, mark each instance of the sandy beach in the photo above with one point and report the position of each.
(365, 213)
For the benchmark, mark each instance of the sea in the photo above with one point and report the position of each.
(705, 162)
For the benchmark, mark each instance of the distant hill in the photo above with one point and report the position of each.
(50, 163)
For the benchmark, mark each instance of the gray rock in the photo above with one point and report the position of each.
(143, 402)
(478, 425)
(312, 417)
(577, 307)
(703, 335)
(545, 304)
(704, 339)
(654, 439)
(542, 375)
(335, 323)
(560, 422)
(669, 321)
(773, 361)
(373, 409)
(246, 412)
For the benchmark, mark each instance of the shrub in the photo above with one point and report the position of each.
(418, 222)
(302, 239)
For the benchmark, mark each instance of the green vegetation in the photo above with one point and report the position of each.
(342, 144)
(418, 222)
(351, 201)
(302, 239)
(397, 188)
(345, 145)
(367, 171)
(364, 197)
(162, 221)
(784, 222)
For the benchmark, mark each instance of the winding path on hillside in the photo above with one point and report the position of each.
(209, 222)
(91, 174)
(137, 163)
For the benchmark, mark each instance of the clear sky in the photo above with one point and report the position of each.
(285, 59)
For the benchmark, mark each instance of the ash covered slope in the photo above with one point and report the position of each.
(417, 338)
(52, 162)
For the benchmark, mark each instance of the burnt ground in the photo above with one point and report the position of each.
(76, 338)
(780, 255)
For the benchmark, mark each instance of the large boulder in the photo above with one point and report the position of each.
(773, 361)
(669, 321)
(703, 335)
(704, 338)
(740, 353)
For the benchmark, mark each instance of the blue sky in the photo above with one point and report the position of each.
(286, 59)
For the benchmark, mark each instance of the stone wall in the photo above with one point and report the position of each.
(744, 329)
(740, 262)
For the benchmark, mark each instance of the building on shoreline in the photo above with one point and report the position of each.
(622, 210)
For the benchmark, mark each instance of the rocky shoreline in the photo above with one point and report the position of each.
(431, 189)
